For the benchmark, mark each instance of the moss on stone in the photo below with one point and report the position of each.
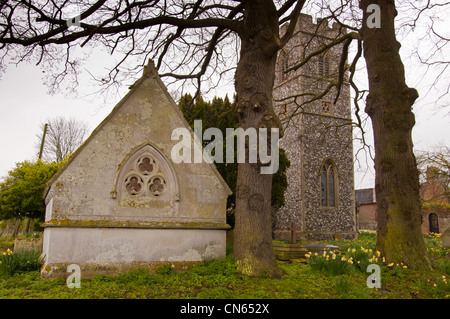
(134, 224)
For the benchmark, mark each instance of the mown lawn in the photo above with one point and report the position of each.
(318, 278)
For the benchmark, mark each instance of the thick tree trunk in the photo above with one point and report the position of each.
(389, 104)
(255, 75)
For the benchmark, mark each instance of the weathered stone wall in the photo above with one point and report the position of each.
(28, 244)
(313, 136)
(84, 189)
(121, 199)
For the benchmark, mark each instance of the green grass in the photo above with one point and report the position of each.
(218, 279)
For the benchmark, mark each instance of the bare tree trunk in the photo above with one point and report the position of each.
(255, 74)
(28, 226)
(17, 227)
(397, 179)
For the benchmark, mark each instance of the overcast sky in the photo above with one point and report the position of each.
(25, 104)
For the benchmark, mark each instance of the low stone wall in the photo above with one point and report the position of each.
(28, 244)
(305, 236)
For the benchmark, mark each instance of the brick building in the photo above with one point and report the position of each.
(320, 198)
(366, 214)
(434, 194)
(435, 210)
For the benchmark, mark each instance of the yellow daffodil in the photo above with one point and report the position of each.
(391, 264)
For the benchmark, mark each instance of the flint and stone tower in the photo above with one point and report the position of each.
(317, 137)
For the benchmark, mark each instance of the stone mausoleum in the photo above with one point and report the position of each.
(121, 202)
(320, 198)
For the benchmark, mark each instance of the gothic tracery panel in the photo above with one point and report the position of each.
(145, 177)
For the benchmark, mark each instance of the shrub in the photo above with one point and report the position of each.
(444, 266)
(363, 257)
(19, 262)
(342, 285)
(140, 277)
(433, 244)
(330, 262)
(165, 269)
(6, 243)
(224, 267)
(367, 236)
(216, 293)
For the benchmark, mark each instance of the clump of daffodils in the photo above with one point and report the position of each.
(329, 254)
(359, 257)
(8, 252)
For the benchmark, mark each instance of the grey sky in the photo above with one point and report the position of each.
(24, 105)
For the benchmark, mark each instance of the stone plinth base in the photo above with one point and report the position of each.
(109, 250)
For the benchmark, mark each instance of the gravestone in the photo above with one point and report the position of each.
(121, 202)
(290, 251)
(320, 247)
(293, 230)
(287, 252)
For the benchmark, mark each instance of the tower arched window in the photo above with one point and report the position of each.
(324, 64)
(284, 64)
(328, 184)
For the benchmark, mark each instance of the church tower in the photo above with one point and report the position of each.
(320, 198)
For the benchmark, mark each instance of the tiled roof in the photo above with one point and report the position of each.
(365, 196)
